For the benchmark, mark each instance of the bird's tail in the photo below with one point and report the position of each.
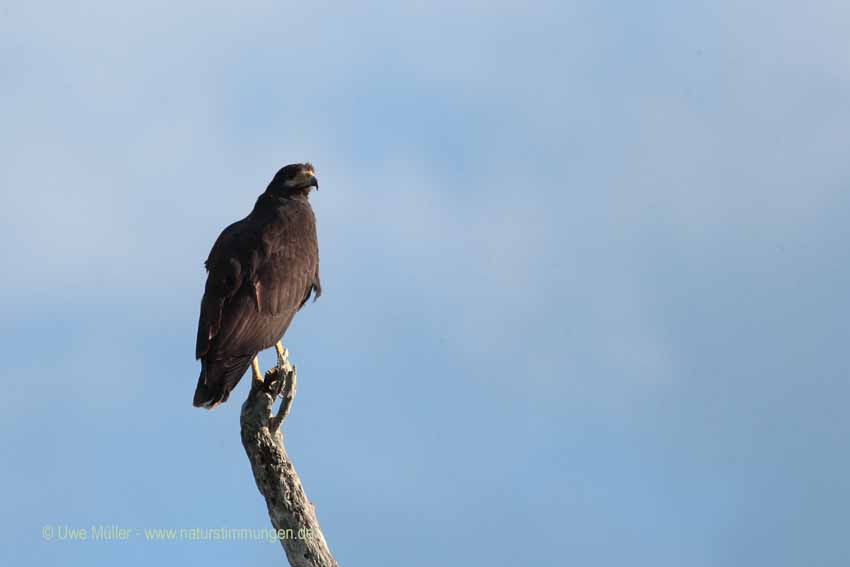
(217, 379)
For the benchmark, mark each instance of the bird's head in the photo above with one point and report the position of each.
(295, 178)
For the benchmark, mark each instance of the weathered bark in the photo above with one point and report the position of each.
(289, 509)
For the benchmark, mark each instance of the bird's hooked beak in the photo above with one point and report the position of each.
(306, 179)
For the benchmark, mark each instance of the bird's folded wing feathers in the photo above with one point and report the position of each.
(279, 281)
(227, 268)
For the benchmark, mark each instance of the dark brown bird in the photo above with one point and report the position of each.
(260, 271)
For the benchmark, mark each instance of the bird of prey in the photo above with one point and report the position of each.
(260, 271)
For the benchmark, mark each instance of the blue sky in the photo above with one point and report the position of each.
(585, 272)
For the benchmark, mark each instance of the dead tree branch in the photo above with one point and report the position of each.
(292, 515)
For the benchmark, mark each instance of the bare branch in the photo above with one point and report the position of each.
(292, 515)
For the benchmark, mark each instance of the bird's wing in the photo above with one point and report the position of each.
(259, 313)
(256, 283)
(232, 260)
